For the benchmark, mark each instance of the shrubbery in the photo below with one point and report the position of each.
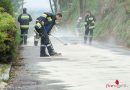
(8, 33)
(6, 4)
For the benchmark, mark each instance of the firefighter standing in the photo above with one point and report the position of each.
(89, 27)
(24, 20)
(44, 25)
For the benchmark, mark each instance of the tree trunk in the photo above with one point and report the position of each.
(58, 6)
(81, 8)
(127, 6)
(51, 6)
(55, 5)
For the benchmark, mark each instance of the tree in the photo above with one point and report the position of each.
(56, 5)
(6, 4)
(81, 7)
(127, 6)
(17, 5)
(51, 6)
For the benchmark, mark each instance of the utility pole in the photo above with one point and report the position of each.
(51, 6)
(55, 5)
(22, 4)
(58, 6)
(81, 7)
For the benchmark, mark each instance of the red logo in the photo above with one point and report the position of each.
(117, 82)
(116, 85)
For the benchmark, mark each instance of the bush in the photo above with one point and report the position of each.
(6, 4)
(7, 37)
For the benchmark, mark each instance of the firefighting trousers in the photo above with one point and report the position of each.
(88, 34)
(24, 36)
(45, 42)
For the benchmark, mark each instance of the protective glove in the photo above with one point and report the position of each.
(38, 32)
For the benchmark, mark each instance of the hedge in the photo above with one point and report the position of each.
(6, 4)
(8, 35)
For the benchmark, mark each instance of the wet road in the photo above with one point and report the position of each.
(81, 67)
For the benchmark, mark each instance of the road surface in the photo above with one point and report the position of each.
(81, 67)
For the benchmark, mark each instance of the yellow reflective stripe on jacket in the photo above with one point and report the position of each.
(49, 19)
(24, 26)
(91, 27)
(44, 15)
(91, 18)
(24, 17)
(39, 25)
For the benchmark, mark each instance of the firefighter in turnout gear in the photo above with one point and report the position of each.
(24, 20)
(89, 27)
(43, 27)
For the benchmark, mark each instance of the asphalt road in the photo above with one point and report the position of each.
(81, 67)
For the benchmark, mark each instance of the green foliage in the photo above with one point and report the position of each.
(1, 9)
(92, 5)
(112, 18)
(17, 6)
(6, 4)
(7, 37)
(70, 13)
(116, 25)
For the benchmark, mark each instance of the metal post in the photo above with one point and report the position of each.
(51, 6)
(81, 7)
(22, 4)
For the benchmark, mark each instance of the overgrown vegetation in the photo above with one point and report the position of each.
(9, 35)
(113, 17)
(6, 4)
(17, 7)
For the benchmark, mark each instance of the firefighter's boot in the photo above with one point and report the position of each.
(43, 51)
